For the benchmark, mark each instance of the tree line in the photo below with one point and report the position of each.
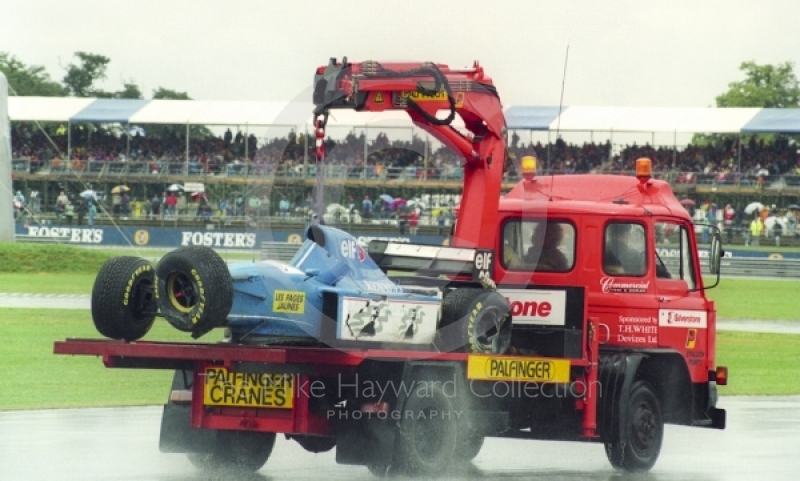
(80, 80)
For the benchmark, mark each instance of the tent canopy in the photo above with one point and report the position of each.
(45, 109)
(775, 120)
(298, 114)
(108, 110)
(531, 118)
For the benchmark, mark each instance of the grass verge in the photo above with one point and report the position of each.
(759, 299)
(759, 363)
(35, 378)
(735, 298)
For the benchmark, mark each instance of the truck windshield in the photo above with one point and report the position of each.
(624, 252)
(539, 245)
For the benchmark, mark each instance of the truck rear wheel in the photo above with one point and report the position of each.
(123, 301)
(427, 434)
(469, 445)
(645, 431)
(195, 289)
(236, 451)
(315, 444)
(476, 321)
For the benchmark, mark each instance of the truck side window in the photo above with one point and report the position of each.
(539, 245)
(624, 252)
(673, 253)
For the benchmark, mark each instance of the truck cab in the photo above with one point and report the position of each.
(629, 242)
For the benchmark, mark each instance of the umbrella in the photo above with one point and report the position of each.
(134, 130)
(336, 213)
(687, 202)
(199, 195)
(387, 198)
(89, 194)
(334, 208)
(120, 189)
(770, 222)
(794, 206)
(174, 188)
(417, 203)
(752, 207)
(398, 202)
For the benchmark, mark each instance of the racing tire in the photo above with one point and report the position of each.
(194, 289)
(426, 442)
(476, 321)
(645, 431)
(236, 452)
(123, 298)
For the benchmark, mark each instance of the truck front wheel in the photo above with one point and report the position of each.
(236, 451)
(645, 430)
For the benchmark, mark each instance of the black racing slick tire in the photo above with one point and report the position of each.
(194, 289)
(123, 298)
(476, 321)
(645, 431)
(236, 452)
(427, 436)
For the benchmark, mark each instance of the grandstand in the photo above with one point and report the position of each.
(272, 155)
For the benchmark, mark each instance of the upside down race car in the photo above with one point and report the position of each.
(332, 292)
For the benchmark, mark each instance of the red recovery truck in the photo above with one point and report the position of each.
(572, 308)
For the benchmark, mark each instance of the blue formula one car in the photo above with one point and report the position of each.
(331, 293)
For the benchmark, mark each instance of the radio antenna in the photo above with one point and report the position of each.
(561, 101)
(560, 107)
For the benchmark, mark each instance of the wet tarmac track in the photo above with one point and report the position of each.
(762, 441)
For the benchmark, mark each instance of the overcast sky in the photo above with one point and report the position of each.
(628, 53)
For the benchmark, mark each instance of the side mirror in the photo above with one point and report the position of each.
(715, 254)
(311, 273)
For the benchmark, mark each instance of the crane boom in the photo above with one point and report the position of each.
(423, 90)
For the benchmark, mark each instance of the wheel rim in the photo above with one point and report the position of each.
(645, 428)
(488, 330)
(181, 292)
(142, 300)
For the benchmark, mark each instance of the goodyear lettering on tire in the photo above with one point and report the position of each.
(201, 305)
(129, 286)
(473, 319)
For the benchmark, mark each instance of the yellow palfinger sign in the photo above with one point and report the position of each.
(497, 368)
(240, 389)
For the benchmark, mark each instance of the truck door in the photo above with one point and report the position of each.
(683, 309)
(625, 300)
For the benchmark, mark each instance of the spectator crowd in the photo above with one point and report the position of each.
(211, 154)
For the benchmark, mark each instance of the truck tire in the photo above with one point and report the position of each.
(645, 431)
(236, 451)
(123, 298)
(194, 289)
(469, 445)
(426, 440)
(476, 321)
(315, 444)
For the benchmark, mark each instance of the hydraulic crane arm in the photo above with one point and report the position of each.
(424, 89)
